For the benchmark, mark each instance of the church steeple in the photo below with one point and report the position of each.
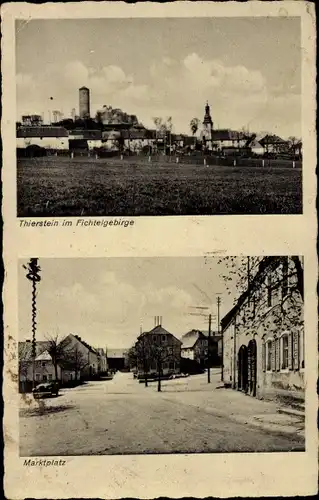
(207, 117)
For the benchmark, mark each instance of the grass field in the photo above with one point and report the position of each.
(82, 186)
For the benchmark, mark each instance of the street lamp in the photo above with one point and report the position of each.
(33, 270)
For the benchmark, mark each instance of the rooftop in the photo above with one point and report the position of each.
(42, 131)
(189, 339)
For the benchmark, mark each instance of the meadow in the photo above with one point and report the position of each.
(56, 186)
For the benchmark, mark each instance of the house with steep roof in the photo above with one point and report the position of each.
(196, 346)
(255, 146)
(274, 144)
(44, 369)
(162, 350)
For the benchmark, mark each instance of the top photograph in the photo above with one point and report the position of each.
(158, 116)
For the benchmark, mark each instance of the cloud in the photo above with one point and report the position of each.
(238, 95)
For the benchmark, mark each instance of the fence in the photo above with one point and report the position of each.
(193, 159)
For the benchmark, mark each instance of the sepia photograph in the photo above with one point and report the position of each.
(161, 355)
(158, 116)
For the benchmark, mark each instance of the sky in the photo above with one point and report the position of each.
(249, 69)
(107, 300)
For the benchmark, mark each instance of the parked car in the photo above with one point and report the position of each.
(46, 390)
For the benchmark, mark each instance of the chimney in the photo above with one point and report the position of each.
(154, 321)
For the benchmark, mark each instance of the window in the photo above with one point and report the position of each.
(37, 376)
(44, 378)
(43, 364)
(285, 352)
(50, 376)
(269, 353)
(163, 338)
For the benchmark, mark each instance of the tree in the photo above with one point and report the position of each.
(75, 360)
(163, 128)
(295, 145)
(194, 124)
(273, 284)
(140, 356)
(24, 360)
(58, 350)
(161, 353)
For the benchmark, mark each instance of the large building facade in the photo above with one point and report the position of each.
(263, 335)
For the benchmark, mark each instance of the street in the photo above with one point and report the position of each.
(122, 416)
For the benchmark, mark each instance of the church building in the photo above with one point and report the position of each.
(207, 129)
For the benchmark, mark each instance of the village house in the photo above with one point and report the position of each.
(162, 351)
(195, 347)
(44, 368)
(225, 140)
(263, 334)
(86, 358)
(47, 137)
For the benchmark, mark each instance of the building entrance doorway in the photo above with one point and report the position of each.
(243, 369)
(252, 367)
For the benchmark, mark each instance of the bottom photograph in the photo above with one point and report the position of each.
(133, 356)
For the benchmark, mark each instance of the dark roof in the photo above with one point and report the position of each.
(227, 135)
(158, 330)
(272, 139)
(190, 338)
(86, 134)
(134, 133)
(266, 263)
(25, 349)
(42, 132)
(90, 348)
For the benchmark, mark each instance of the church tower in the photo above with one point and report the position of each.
(207, 128)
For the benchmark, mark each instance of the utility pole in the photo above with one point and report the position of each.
(219, 301)
(209, 316)
(33, 275)
(209, 347)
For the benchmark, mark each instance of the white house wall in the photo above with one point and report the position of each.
(45, 142)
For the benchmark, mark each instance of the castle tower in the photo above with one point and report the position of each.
(207, 128)
(84, 102)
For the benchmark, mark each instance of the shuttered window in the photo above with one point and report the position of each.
(269, 355)
(273, 356)
(264, 356)
(290, 358)
(277, 355)
(285, 352)
(296, 350)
